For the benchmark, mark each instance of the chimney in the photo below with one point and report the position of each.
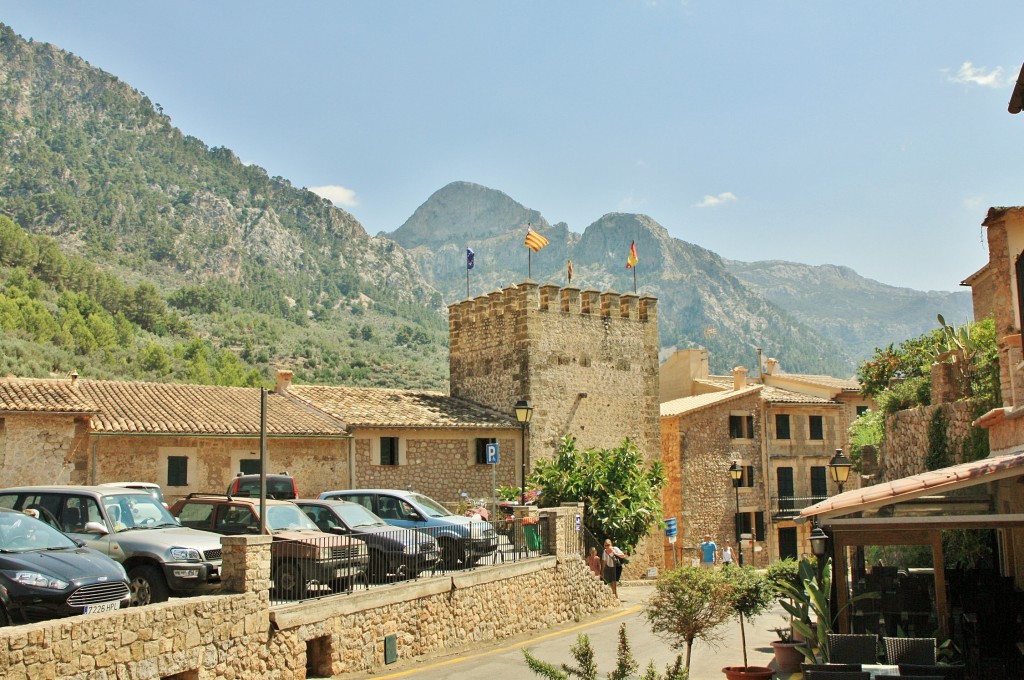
(739, 378)
(284, 380)
(74, 379)
(771, 365)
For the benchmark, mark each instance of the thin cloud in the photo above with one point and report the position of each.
(337, 194)
(969, 74)
(710, 201)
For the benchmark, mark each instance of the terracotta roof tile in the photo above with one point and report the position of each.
(695, 403)
(774, 395)
(379, 407)
(164, 408)
(844, 384)
(925, 483)
(43, 396)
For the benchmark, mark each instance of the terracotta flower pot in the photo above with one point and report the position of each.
(788, 656)
(748, 672)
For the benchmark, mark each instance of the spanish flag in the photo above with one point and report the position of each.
(534, 241)
(633, 257)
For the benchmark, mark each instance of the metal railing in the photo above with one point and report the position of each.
(790, 506)
(330, 564)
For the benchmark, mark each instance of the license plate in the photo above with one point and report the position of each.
(101, 607)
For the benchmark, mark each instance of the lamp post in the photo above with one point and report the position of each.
(839, 468)
(736, 472)
(523, 414)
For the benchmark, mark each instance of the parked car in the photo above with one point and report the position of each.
(463, 540)
(149, 487)
(301, 555)
(46, 575)
(280, 487)
(161, 557)
(393, 552)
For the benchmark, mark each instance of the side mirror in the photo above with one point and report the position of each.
(339, 530)
(414, 516)
(95, 528)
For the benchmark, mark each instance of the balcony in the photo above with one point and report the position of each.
(786, 507)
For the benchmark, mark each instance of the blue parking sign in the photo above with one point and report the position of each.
(492, 454)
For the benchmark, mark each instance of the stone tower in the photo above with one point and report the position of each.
(587, 361)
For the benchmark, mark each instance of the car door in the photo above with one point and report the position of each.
(398, 512)
(76, 512)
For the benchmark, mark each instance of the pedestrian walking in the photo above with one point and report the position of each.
(727, 555)
(611, 561)
(594, 562)
(708, 553)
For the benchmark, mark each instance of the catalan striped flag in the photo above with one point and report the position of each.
(633, 257)
(534, 241)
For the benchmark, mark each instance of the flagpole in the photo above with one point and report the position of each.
(529, 264)
(634, 279)
(467, 283)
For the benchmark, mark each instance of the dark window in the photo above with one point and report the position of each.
(741, 427)
(744, 522)
(177, 470)
(782, 426)
(784, 483)
(819, 487)
(759, 526)
(861, 410)
(787, 543)
(816, 427)
(389, 450)
(481, 450)
(249, 466)
(748, 476)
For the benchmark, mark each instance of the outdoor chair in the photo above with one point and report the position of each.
(837, 675)
(852, 648)
(830, 667)
(957, 672)
(918, 651)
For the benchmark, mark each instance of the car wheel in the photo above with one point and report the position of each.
(379, 568)
(452, 554)
(288, 581)
(5, 620)
(147, 586)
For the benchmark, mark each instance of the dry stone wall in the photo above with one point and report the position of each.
(42, 449)
(905, 448)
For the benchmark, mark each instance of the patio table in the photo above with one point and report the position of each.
(878, 670)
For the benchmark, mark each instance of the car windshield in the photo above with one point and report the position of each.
(136, 511)
(429, 505)
(21, 533)
(355, 515)
(288, 518)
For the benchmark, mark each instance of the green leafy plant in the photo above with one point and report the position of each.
(750, 594)
(689, 603)
(620, 491)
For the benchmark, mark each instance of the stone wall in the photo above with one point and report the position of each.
(438, 463)
(42, 448)
(905, 448)
(238, 635)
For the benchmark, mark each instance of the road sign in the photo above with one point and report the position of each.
(492, 454)
(579, 521)
(671, 529)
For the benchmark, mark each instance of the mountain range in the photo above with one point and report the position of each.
(279, 276)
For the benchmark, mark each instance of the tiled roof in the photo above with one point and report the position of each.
(163, 408)
(773, 395)
(926, 483)
(43, 396)
(695, 403)
(844, 384)
(378, 407)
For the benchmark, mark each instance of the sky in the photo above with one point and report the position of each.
(873, 135)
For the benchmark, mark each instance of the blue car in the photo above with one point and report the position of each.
(463, 541)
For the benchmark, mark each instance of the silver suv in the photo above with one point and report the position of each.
(160, 556)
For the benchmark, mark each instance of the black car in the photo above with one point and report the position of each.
(394, 552)
(281, 487)
(46, 575)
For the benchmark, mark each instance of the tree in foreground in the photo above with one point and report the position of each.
(585, 668)
(690, 603)
(620, 491)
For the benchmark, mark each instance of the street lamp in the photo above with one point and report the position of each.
(819, 540)
(736, 472)
(523, 414)
(839, 468)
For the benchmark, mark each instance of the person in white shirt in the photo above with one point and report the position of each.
(610, 563)
(726, 555)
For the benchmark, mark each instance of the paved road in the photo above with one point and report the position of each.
(504, 660)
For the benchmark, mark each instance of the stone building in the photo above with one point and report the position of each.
(782, 429)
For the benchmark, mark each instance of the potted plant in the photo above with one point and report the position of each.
(750, 594)
(787, 650)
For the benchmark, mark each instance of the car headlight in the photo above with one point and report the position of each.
(38, 580)
(411, 548)
(479, 529)
(186, 555)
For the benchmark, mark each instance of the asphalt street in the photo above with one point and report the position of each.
(503, 659)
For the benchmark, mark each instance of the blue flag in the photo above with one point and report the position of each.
(469, 258)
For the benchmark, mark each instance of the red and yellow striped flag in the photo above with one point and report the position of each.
(633, 257)
(534, 241)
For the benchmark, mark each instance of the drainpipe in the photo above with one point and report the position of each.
(769, 521)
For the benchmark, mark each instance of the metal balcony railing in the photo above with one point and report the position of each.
(790, 506)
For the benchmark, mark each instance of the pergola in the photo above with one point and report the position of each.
(914, 511)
